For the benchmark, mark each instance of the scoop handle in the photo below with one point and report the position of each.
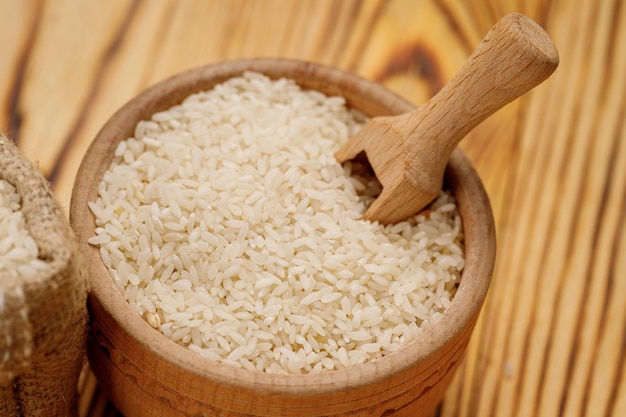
(515, 56)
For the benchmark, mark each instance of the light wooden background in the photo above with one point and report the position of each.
(551, 340)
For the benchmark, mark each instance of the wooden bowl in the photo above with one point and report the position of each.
(146, 374)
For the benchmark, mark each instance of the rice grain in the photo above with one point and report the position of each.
(19, 253)
(230, 227)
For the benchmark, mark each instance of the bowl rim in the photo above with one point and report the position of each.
(460, 177)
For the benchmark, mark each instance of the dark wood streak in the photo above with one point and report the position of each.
(544, 12)
(494, 305)
(582, 312)
(333, 20)
(579, 335)
(610, 62)
(365, 40)
(564, 166)
(419, 60)
(574, 222)
(93, 93)
(573, 228)
(159, 40)
(446, 12)
(570, 370)
(354, 13)
(621, 363)
(602, 204)
(15, 116)
(611, 167)
(613, 276)
(613, 50)
(537, 161)
(537, 284)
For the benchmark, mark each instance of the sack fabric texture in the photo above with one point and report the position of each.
(43, 319)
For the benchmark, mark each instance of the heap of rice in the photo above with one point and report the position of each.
(228, 224)
(19, 254)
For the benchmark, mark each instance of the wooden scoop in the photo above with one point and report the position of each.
(409, 152)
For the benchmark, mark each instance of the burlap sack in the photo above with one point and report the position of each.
(43, 320)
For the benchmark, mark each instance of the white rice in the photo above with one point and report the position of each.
(230, 227)
(18, 251)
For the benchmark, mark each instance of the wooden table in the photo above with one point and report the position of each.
(551, 340)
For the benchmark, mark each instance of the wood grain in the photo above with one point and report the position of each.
(551, 340)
